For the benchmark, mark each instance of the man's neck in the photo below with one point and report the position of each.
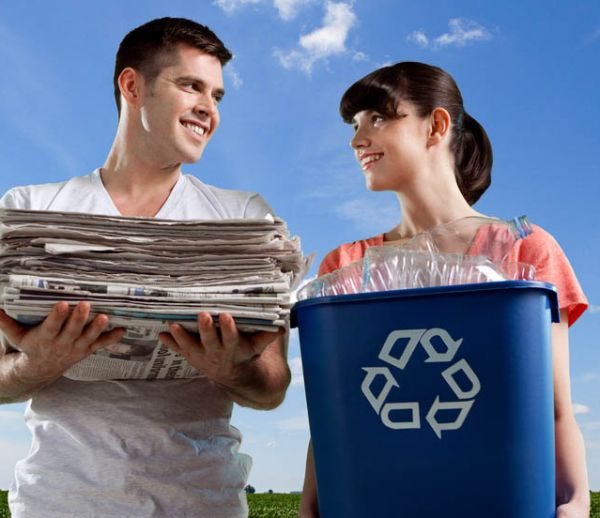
(138, 189)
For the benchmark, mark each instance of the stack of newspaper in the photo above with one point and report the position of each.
(145, 273)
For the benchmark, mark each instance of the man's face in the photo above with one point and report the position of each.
(179, 112)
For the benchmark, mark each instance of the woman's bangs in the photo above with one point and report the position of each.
(376, 91)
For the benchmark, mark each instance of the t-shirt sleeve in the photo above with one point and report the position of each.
(347, 253)
(14, 199)
(330, 262)
(257, 207)
(551, 265)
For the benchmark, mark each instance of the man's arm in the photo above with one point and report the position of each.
(46, 351)
(251, 367)
(572, 490)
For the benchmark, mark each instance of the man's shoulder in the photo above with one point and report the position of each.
(220, 192)
(229, 203)
(40, 196)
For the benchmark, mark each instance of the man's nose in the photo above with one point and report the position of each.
(206, 105)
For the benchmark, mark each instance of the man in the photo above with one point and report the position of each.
(142, 448)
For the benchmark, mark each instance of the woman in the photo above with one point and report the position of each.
(412, 136)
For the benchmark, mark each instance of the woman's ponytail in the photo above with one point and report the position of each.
(473, 158)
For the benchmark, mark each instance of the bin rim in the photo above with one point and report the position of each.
(546, 287)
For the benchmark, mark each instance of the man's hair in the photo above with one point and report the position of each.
(152, 46)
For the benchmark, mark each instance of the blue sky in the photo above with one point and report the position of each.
(527, 70)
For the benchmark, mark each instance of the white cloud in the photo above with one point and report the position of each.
(419, 37)
(360, 56)
(294, 423)
(594, 309)
(288, 9)
(369, 215)
(233, 75)
(326, 41)
(297, 374)
(462, 32)
(578, 408)
(272, 444)
(229, 6)
(590, 426)
(587, 377)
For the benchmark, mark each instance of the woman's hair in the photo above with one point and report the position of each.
(427, 87)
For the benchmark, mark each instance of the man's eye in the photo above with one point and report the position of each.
(217, 98)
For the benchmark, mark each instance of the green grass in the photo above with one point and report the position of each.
(275, 505)
(4, 512)
(595, 505)
(281, 505)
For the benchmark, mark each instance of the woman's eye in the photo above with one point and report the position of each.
(377, 119)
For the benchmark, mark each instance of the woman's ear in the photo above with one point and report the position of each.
(439, 126)
(130, 83)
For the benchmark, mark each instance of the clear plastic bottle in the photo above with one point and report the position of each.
(395, 268)
(343, 281)
(464, 251)
(487, 237)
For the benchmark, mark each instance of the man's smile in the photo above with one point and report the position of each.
(195, 127)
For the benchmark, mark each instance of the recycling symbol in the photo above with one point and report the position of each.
(412, 339)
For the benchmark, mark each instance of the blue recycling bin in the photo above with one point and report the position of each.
(433, 402)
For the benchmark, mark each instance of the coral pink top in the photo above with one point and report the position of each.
(539, 249)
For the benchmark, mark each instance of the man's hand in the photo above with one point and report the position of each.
(61, 340)
(233, 359)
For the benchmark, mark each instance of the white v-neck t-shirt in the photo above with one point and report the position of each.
(122, 449)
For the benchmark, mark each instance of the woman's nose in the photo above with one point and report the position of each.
(359, 140)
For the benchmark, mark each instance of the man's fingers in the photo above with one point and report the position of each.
(53, 323)
(169, 341)
(75, 323)
(110, 337)
(208, 332)
(182, 337)
(229, 332)
(93, 330)
(11, 328)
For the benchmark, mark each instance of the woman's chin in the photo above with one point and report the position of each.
(374, 186)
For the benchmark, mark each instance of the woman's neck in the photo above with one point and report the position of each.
(425, 209)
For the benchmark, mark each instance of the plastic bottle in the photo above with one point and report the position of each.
(487, 237)
(464, 251)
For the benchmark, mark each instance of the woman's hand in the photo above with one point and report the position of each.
(573, 510)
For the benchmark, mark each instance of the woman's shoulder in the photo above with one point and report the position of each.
(541, 249)
(347, 253)
(540, 244)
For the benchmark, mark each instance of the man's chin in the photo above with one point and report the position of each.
(192, 158)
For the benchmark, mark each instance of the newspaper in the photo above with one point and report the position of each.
(145, 274)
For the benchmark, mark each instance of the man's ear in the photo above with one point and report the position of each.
(131, 84)
(439, 126)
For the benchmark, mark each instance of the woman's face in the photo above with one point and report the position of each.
(390, 151)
